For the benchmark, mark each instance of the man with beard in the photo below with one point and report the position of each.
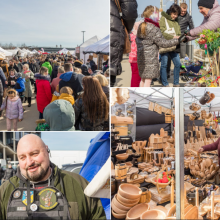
(12, 65)
(41, 190)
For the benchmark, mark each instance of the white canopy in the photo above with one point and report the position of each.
(63, 51)
(101, 46)
(7, 53)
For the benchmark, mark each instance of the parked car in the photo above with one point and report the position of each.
(73, 167)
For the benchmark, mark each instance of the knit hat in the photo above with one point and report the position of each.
(17, 75)
(206, 3)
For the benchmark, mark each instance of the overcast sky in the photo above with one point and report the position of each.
(197, 17)
(68, 140)
(53, 22)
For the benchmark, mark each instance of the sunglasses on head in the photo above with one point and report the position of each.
(10, 92)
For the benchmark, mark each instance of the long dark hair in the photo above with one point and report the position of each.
(174, 8)
(94, 99)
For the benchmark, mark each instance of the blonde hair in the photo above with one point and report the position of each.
(148, 11)
(67, 90)
(184, 5)
(26, 65)
(43, 70)
(102, 79)
(77, 70)
(61, 69)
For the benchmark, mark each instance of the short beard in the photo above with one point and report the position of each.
(37, 177)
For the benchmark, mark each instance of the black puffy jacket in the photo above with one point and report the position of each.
(185, 21)
(9, 173)
(117, 33)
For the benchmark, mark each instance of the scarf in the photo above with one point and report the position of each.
(152, 22)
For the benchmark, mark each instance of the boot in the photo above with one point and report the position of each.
(29, 101)
(25, 99)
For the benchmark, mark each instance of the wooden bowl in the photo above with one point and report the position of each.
(129, 164)
(119, 205)
(161, 208)
(153, 214)
(122, 156)
(118, 216)
(116, 209)
(129, 191)
(127, 202)
(137, 211)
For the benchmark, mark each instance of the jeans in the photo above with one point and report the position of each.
(163, 69)
(40, 115)
(183, 50)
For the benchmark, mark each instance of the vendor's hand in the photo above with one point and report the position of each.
(20, 120)
(187, 32)
(176, 37)
(200, 150)
(6, 82)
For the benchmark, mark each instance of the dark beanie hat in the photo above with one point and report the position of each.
(206, 3)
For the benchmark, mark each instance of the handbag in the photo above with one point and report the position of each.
(172, 32)
(127, 46)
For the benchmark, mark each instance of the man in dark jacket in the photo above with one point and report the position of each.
(34, 67)
(8, 173)
(129, 15)
(185, 21)
(12, 65)
(19, 65)
(71, 79)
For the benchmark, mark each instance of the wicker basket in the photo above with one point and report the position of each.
(203, 114)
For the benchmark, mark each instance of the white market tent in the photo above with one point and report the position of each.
(7, 53)
(86, 44)
(63, 51)
(100, 47)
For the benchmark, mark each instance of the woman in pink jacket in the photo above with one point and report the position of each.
(210, 9)
(135, 78)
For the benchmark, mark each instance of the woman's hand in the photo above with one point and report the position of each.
(200, 150)
(176, 37)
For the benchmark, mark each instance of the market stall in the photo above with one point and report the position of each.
(148, 170)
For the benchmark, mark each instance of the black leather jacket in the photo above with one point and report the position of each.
(129, 15)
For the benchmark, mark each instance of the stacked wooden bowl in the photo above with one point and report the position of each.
(127, 197)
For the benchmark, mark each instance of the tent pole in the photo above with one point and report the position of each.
(161, 93)
(179, 154)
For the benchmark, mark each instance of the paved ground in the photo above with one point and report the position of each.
(31, 114)
(124, 80)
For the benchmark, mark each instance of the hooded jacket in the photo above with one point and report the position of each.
(80, 206)
(73, 80)
(172, 24)
(48, 66)
(64, 96)
(117, 32)
(19, 86)
(14, 108)
(185, 21)
(211, 22)
(60, 116)
(44, 94)
(54, 72)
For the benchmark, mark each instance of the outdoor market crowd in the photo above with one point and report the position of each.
(156, 38)
(70, 95)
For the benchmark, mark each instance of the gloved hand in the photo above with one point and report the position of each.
(187, 32)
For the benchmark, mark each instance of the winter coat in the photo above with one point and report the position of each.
(28, 86)
(13, 67)
(64, 96)
(14, 108)
(2, 77)
(44, 94)
(55, 82)
(1, 89)
(54, 73)
(20, 67)
(73, 80)
(20, 85)
(5, 69)
(34, 67)
(133, 53)
(10, 79)
(117, 32)
(185, 21)
(148, 49)
(211, 22)
(9, 172)
(72, 186)
(106, 91)
(213, 146)
(172, 24)
(60, 116)
(84, 123)
(48, 66)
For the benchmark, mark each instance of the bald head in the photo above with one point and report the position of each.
(33, 158)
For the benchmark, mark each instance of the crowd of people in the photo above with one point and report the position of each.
(70, 95)
(156, 39)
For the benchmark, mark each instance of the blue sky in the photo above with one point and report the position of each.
(197, 17)
(53, 22)
(68, 140)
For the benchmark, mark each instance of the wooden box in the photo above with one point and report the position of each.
(123, 131)
(121, 120)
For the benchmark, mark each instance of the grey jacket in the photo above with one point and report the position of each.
(148, 49)
(185, 21)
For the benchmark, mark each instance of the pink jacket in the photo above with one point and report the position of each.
(133, 53)
(55, 82)
(212, 22)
